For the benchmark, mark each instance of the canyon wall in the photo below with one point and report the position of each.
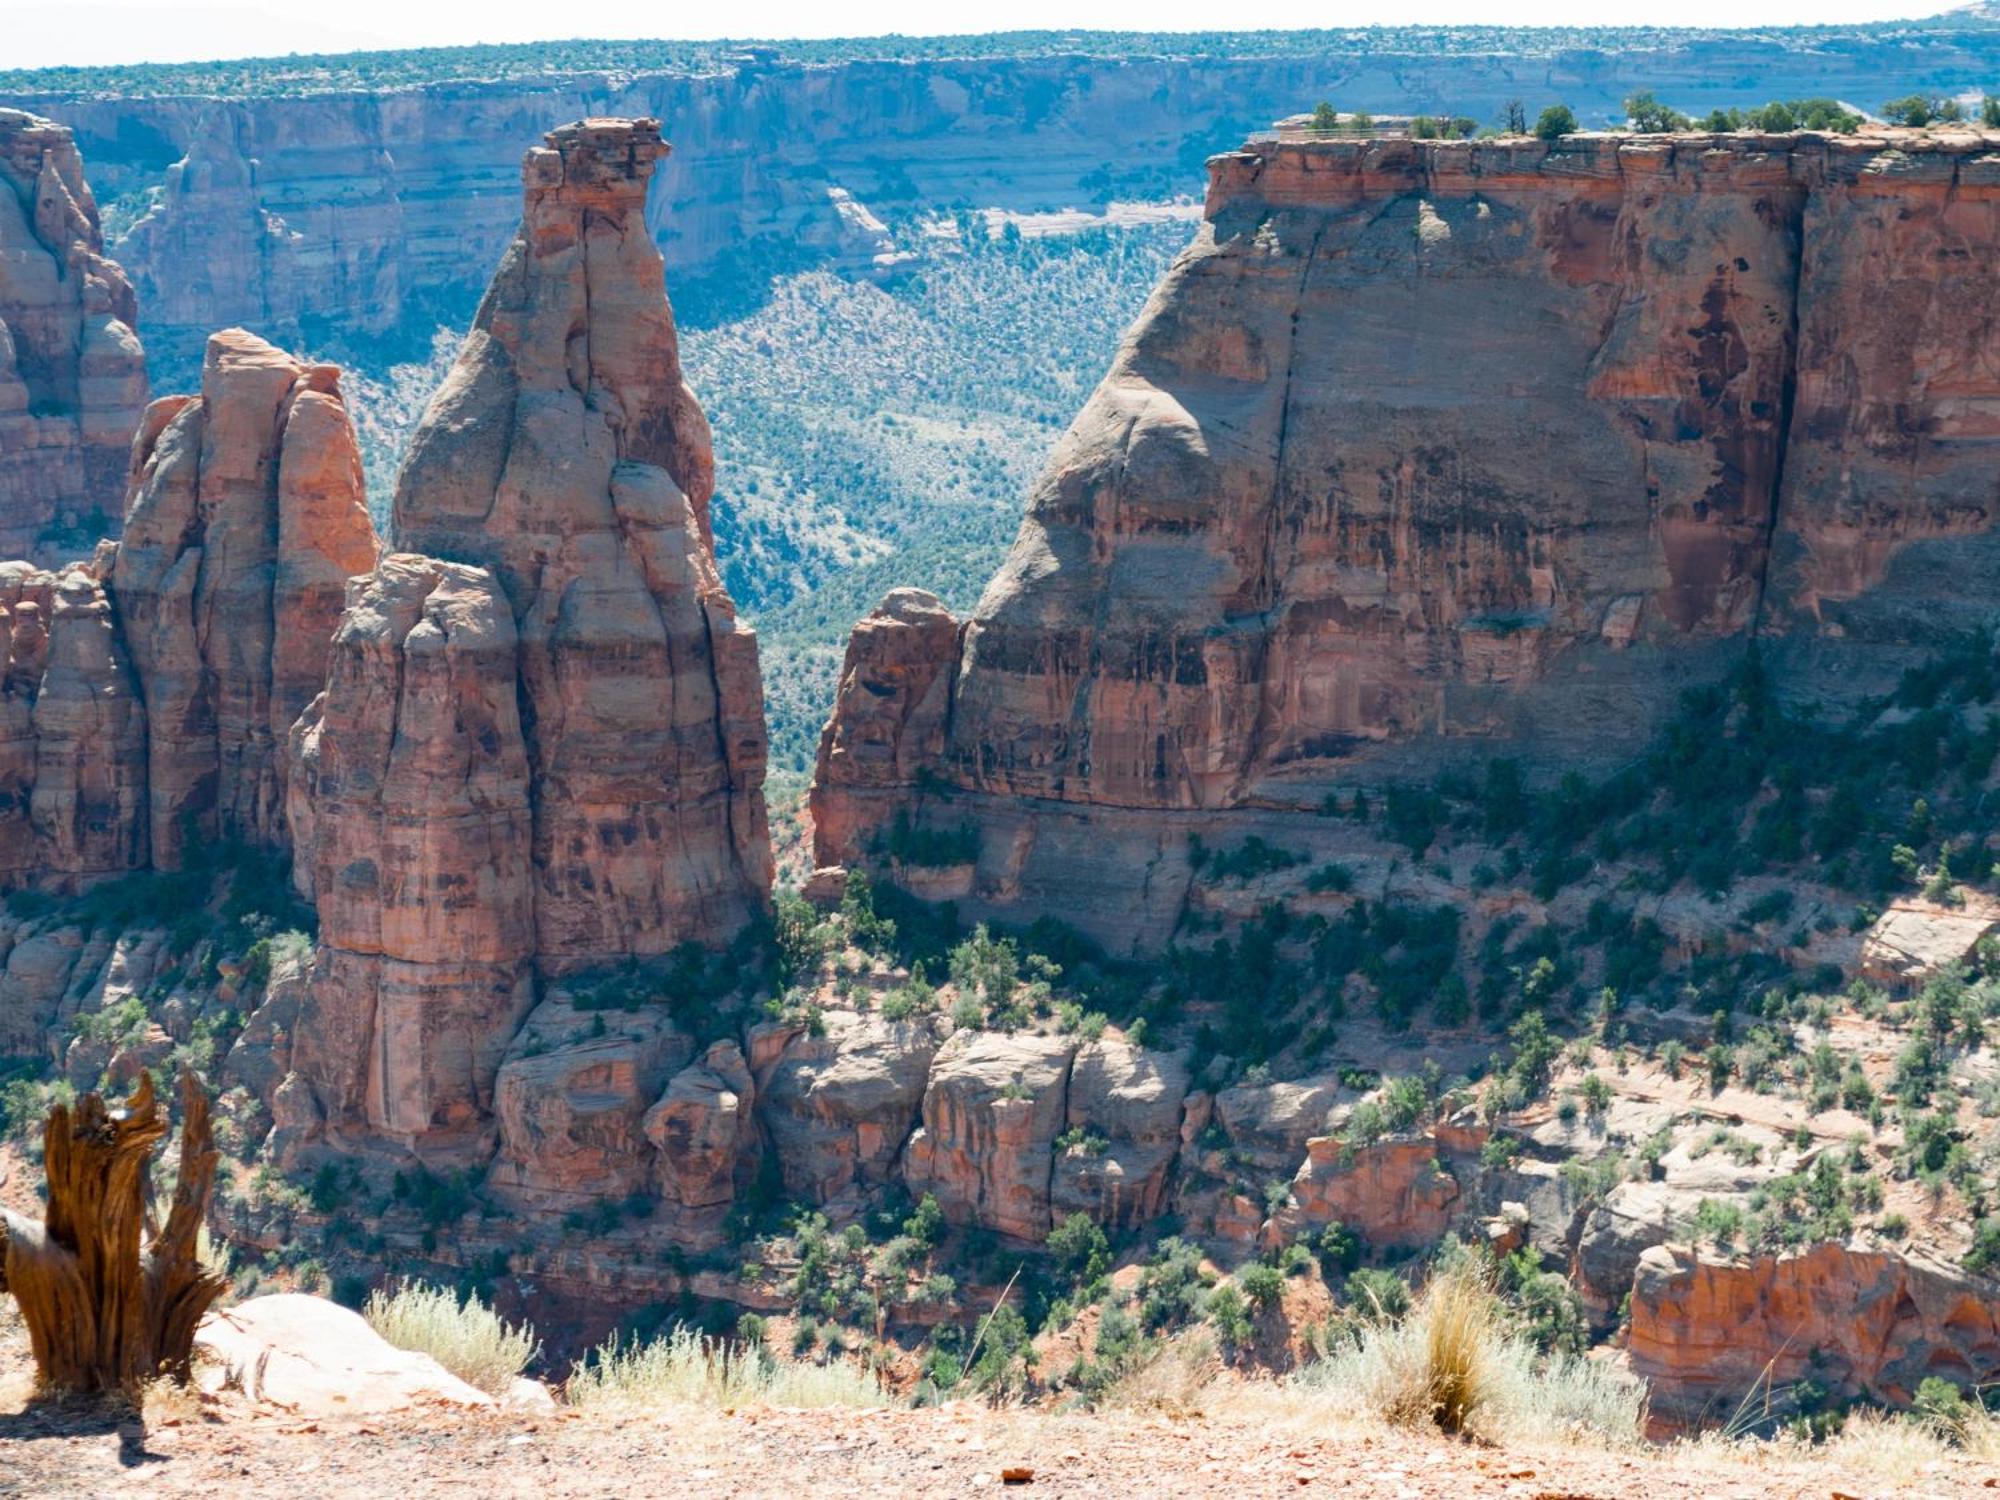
(315, 213)
(72, 374)
(1423, 448)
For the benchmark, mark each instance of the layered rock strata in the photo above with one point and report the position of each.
(311, 206)
(73, 786)
(247, 517)
(411, 817)
(566, 454)
(72, 373)
(148, 695)
(544, 756)
(1422, 444)
(1864, 1324)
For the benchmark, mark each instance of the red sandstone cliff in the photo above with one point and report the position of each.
(545, 754)
(72, 374)
(247, 517)
(148, 695)
(1433, 442)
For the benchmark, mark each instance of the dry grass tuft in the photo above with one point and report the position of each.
(684, 1368)
(1459, 1320)
(1453, 1363)
(468, 1338)
(1178, 1380)
(1898, 1448)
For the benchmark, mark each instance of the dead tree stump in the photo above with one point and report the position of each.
(111, 1296)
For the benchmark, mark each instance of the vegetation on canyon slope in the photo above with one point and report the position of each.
(333, 72)
(867, 434)
(1568, 950)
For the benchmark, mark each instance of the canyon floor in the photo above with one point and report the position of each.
(1238, 1438)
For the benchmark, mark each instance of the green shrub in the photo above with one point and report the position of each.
(1080, 1250)
(1225, 1309)
(1171, 1288)
(1378, 1296)
(1648, 116)
(1556, 121)
(1263, 1285)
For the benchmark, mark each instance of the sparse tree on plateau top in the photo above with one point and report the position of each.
(1777, 117)
(1517, 117)
(1556, 121)
(1648, 116)
(1912, 109)
(1325, 117)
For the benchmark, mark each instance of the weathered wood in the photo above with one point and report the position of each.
(111, 1296)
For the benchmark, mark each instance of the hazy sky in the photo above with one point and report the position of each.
(38, 33)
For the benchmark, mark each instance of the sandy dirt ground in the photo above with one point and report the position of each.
(223, 1447)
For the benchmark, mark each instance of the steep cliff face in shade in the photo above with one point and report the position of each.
(73, 790)
(546, 754)
(566, 454)
(1421, 444)
(247, 517)
(72, 374)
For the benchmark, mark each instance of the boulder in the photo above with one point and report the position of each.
(1392, 1193)
(1269, 1124)
(572, 1101)
(991, 1113)
(839, 1105)
(33, 983)
(1866, 1324)
(1126, 1102)
(1915, 939)
(703, 1131)
(318, 1359)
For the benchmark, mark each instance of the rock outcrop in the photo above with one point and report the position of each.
(1390, 1192)
(1863, 1323)
(148, 696)
(1328, 516)
(704, 1130)
(317, 1359)
(410, 810)
(573, 1101)
(546, 755)
(1125, 1103)
(73, 792)
(839, 1105)
(72, 373)
(565, 453)
(247, 518)
(992, 1111)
